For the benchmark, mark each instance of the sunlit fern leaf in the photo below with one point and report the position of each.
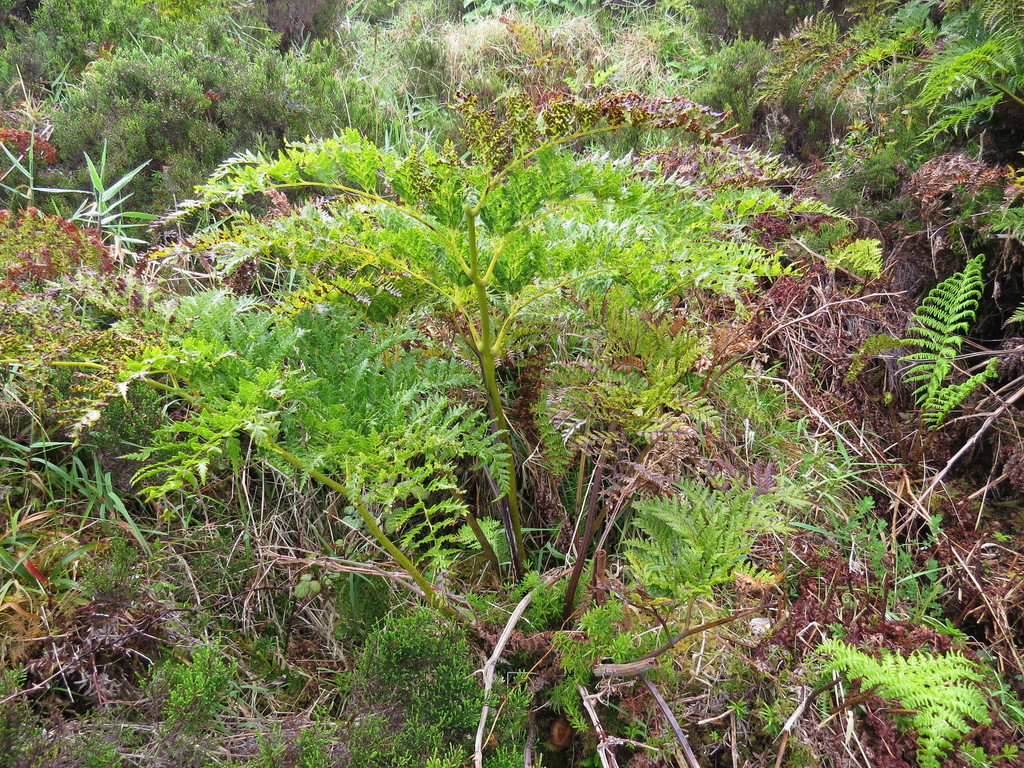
(938, 693)
(336, 393)
(948, 398)
(1009, 223)
(862, 257)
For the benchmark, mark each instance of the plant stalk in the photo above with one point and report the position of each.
(371, 524)
(488, 370)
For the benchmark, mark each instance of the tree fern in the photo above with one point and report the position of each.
(937, 329)
(939, 691)
(491, 232)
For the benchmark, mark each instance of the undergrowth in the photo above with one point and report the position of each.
(489, 402)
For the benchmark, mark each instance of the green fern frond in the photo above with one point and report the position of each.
(1009, 223)
(862, 257)
(937, 329)
(338, 395)
(940, 691)
(949, 398)
(807, 47)
(697, 539)
(980, 65)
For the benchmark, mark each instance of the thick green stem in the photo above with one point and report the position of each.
(488, 370)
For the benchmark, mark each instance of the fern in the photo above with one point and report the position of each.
(490, 233)
(937, 329)
(331, 392)
(861, 257)
(698, 539)
(937, 688)
(980, 65)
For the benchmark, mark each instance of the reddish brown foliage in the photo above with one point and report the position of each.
(20, 142)
(36, 248)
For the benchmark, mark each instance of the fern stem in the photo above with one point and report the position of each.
(371, 524)
(61, 363)
(584, 544)
(488, 370)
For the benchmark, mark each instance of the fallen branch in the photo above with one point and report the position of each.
(691, 759)
(649, 662)
(604, 744)
(487, 671)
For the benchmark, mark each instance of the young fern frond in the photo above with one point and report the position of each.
(937, 330)
(698, 539)
(938, 690)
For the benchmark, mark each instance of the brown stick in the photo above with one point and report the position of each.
(691, 759)
(648, 662)
(584, 544)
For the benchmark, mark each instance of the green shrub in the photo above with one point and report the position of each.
(64, 37)
(732, 79)
(196, 691)
(756, 19)
(416, 694)
(22, 740)
(184, 110)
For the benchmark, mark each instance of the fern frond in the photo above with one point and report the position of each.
(862, 257)
(937, 329)
(938, 689)
(697, 539)
(947, 399)
(980, 65)
(807, 46)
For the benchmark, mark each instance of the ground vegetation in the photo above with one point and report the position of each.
(542, 383)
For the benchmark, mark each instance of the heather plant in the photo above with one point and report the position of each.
(731, 81)
(760, 20)
(415, 683)
(196, 690)
(183, 109)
